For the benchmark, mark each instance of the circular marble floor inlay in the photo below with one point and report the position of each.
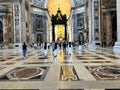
(25, 73)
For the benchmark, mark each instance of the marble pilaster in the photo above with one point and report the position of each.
(75, 26)
(17, 25)
(30, 26)
(108, 29)
(91, 24)
(5, 30)
(23, 21)
(94, 22)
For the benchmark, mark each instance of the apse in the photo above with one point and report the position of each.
(64, 5)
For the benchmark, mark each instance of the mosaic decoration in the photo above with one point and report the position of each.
(38, 3)
(17, 29)
(96, 20)
(108, 72)
(80, 24)
(78, 2)
(39, 24)
(68, 73)
(26, 74)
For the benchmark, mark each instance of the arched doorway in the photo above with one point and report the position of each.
(59, 22)
(81, 38)
(114, 27)
(108, 22)
(1, 31)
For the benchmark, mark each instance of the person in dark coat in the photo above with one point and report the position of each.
(60, 45)
(80, 46)
(24, 48)
(55, 52)
(69, 48)
(45, 49)
(64, 46)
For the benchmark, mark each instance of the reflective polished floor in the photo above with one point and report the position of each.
(89, 69)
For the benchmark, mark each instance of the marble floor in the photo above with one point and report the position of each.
(89, 69)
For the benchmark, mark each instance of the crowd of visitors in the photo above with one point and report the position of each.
(67, 47)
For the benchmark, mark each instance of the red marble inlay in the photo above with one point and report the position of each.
(105, 76)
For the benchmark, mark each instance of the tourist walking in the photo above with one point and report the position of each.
(24, 48)
(45, 49)
(55, 50)
(80, 46)
(69, 48)
(64, 46)
(60, 45)
(35, 46)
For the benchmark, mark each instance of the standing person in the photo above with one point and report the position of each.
(69, 48)
(60, 45)
(45, 49)
(35, 46)
(80, 46)
(55, 52)
(64, 46)
(24, 48)
(48, 45)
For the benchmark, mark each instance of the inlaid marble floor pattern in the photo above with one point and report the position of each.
(89, 69)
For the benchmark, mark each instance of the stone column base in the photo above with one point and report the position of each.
(18, 46)
(116, 48)
(91, 45)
